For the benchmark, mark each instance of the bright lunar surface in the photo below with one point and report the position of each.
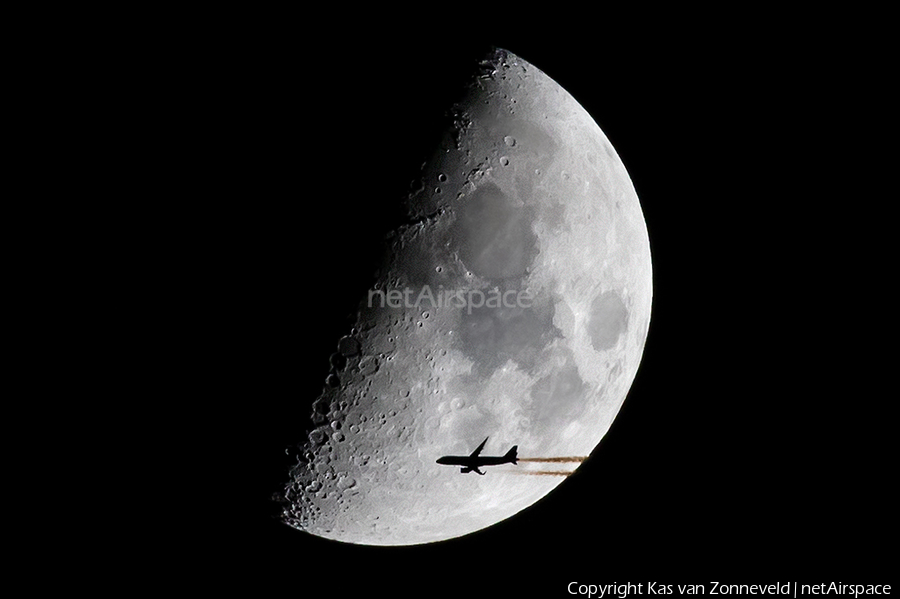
(514, 305)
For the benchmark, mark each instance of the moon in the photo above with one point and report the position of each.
(514, 305)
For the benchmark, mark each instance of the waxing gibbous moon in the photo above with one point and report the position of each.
(525, 277)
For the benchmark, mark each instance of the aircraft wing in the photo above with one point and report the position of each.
(480, 447)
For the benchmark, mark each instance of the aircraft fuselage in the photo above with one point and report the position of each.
(472, 463)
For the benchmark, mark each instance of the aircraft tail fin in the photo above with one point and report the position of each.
(512, 455)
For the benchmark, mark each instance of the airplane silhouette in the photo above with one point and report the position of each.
(471, 462)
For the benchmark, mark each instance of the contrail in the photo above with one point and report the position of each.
(542, 472)
(555, 460)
